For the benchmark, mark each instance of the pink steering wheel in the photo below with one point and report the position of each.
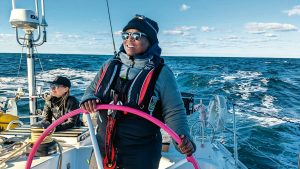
(190, 159)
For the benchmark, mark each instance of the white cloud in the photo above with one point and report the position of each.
(61, 38)
(184, 7)
(6, 35)
(7, 38)
(232, 37)
(118, 33)
(294, 11)
(186, 28)
(229, 37)
(257, 41)
(271, 35)
(182, 30)
(207, 29)
(255, 27)
(173, 32)
(241, 41)
(58, 35)
(74, 36)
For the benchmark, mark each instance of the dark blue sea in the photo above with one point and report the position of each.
(266, 93)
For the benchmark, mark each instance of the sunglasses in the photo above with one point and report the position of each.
(134, 35)
(55, 86)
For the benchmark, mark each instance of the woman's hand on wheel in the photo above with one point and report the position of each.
(90, 105)
(186, 147)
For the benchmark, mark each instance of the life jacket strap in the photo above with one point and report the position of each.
(109, 160)
(147, 89)
(107, 77)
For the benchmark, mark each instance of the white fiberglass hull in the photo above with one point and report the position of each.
(209, 156)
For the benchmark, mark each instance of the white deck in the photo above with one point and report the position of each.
(72, 158)
(209, 156)
(76, 156)
(75, 153)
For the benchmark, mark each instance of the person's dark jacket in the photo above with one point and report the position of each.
(54, 109)
(166, 90)
(136, 136)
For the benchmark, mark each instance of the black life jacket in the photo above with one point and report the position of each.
(137, 93)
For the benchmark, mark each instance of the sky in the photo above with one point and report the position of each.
(232, 28)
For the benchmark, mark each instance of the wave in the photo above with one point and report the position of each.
(265, 92)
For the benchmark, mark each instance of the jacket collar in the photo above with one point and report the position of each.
(151, 56)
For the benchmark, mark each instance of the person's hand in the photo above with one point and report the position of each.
(41, 124)
(90, 105)
(186, 147)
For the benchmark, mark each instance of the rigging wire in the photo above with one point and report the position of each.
(39, 59)
(254, 148)
(40, 62)
(20, 62)
(111, 30)
(285, 119)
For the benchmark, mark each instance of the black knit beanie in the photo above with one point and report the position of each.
(145, 25)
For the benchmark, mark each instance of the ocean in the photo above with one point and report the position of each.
(265, 92)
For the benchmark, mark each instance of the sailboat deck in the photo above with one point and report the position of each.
(208, 155)
(75, 143)
(75, 135)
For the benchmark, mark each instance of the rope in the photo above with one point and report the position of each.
(36, 133)
(60, 154)
(12, 155)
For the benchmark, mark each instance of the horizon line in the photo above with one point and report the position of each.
(217, 56)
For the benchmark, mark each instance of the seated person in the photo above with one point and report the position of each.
(60, 103)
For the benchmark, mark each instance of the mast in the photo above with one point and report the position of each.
(28, 21)
(31, 75)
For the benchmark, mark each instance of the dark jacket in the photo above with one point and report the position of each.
(136, 139)
(54, 109)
